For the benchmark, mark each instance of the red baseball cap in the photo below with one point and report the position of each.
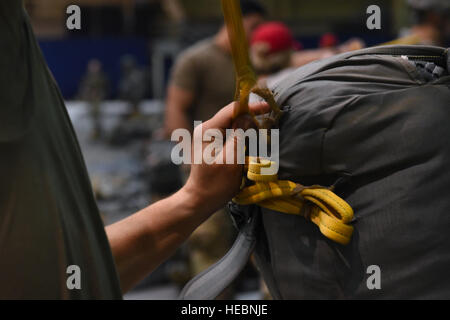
(276, 35)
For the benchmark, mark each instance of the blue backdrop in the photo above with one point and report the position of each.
(68, 58)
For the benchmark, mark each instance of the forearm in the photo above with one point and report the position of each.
(144, 240)
(306, 56)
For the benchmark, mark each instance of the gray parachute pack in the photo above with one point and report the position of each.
(373, 123)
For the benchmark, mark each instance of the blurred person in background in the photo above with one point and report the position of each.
(202, 79)
(94, 88)
(133, 84)
(203, 75)
(306, 56)
(431, 23)
(272, 46)
(328, 40)
(275, 53)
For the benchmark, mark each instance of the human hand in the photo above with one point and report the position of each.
(211, 186)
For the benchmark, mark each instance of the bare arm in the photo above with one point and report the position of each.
(179, 101)
(142, 241)
(306, 56)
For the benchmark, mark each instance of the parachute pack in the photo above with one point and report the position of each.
(373, 126)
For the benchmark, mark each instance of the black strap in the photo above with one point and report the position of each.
(211, 282)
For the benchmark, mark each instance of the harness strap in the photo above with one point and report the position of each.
(211, 282)
(318, 204)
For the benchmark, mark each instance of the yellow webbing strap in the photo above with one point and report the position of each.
(245, 77)
(318, 204)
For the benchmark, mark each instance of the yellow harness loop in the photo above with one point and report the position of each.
(318, 204)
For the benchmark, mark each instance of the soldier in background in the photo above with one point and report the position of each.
(132, 85)
(203, 75)
(275, 53)
(272, 47)
(431, 23)
(94, 89)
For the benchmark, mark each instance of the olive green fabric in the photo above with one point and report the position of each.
(48, 216)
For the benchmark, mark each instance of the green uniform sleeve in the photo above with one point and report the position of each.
(14, 75)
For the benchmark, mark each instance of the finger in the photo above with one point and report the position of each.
(233, 152)
(244, 122)
(224, 118)
(259, 108)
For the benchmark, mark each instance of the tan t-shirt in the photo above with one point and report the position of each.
(206, 70)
